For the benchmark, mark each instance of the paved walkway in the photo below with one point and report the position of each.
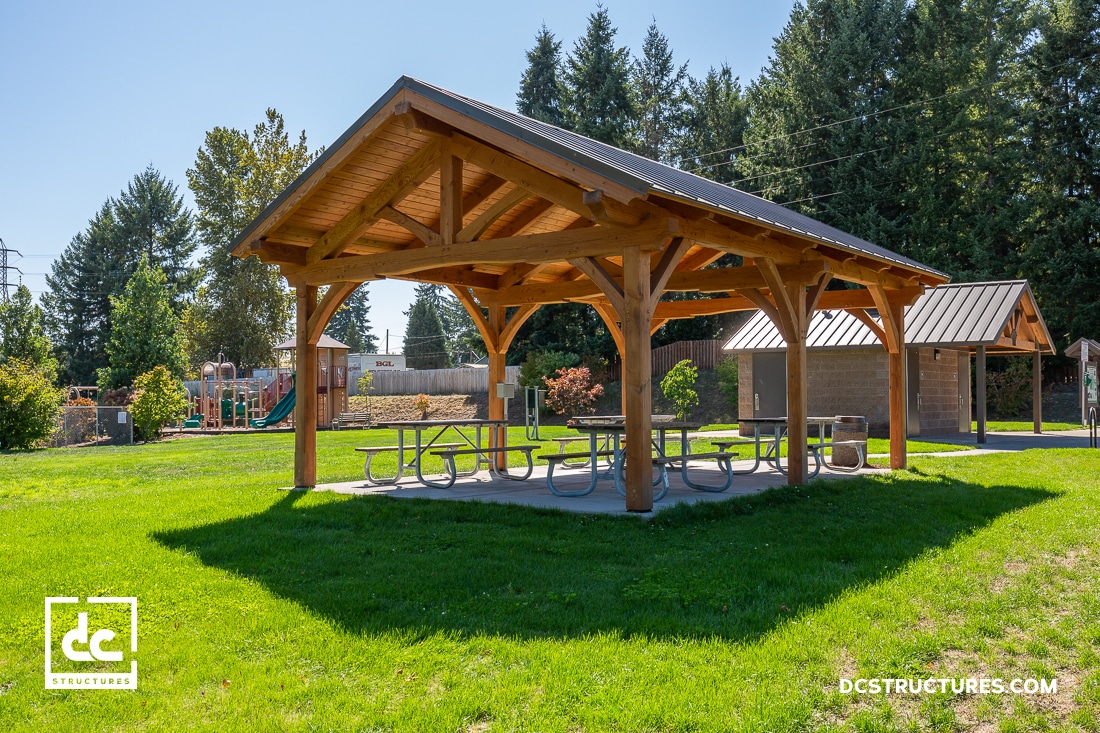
(604, 500)
(1006, 442)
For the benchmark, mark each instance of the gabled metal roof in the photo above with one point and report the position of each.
(325, 342)
(627, 169)
(1074, 349)
(961, 315)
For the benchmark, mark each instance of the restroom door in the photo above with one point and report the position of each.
(912, 383)
(769, 384)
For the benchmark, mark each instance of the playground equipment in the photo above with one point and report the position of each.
(332, 379)
(224, 400)
(283, 409)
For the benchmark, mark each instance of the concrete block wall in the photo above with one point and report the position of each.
(840, 382)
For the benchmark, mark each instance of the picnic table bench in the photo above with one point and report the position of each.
(374, 450)
(448, 456)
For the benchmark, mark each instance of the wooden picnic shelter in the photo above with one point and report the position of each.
(511, 214)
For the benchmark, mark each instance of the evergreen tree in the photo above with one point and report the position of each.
(596, 94)
(148, 219)
(962, 77)
(713, 132)
(425, 344)
(144, 330)
(540, 89)
(815, 139)
(659, 88)
(22, 332)
(351, 323)
(1061, 249)
(153, 223)
(242, 308)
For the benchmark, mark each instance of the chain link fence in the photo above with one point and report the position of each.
(84, 426)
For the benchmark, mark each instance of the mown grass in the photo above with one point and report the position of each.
(263, 610)
(1022, 426)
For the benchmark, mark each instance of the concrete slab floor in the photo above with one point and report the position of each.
(603, 500)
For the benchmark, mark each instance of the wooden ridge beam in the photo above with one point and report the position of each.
(404, 180)
(552, 247)
(457, 275)
(677, 309)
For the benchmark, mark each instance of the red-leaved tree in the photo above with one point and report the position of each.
(572, 392)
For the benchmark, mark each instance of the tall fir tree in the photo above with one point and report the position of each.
(596, 90)
(425, 343)
(816, 140)
(145, 331)
(659, 86)
(962, 79)
(1061, 249)
(147, 220)
(713, 133)
(539, 94)
(242, 308)
(351, 323)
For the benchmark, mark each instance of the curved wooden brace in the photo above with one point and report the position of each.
(870, 323)
(611, 320)
(514, 323)
(891, 319)
(472, 307)
(329, 304)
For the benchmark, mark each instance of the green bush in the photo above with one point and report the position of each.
(726, 368)
(540, 365)
(29, 404)
(159, 399)
(677, 387)
(1009, 390)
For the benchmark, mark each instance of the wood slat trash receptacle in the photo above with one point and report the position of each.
(848, 427)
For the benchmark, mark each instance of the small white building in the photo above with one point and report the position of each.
(358, 363)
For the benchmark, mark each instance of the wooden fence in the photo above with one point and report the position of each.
(438, 381)
(703, 354)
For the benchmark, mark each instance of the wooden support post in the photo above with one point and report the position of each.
(637, 379)
(1037, 391)
(496, 375)
(980, 387)
(305, 406)
(898, 410)
(797, 388)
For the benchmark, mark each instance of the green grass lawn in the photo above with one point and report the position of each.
(1022, 426)
(269, 611)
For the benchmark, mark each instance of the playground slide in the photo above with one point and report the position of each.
(278, 413)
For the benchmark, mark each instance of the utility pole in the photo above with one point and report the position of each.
(4, 267)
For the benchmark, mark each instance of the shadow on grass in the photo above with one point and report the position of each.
(732, 570)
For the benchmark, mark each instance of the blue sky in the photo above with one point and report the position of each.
(93, 93)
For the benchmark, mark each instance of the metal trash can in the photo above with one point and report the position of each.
(849, 427)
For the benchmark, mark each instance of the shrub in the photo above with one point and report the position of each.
(542, 365)
(677, 388)
(366, 383)
(159, 399)
(29, 404)
(572, 391)
(422, 404)
(121, 397)
(726, 369)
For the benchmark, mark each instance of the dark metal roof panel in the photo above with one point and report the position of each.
(643, 174)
